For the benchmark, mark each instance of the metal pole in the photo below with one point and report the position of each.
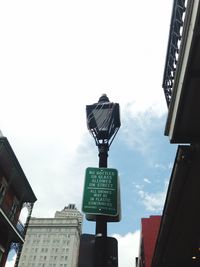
(30, 209)
(101, 222)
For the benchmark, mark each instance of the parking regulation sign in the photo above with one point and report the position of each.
(100, 192)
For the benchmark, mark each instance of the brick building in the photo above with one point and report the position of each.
(15, 193)
(149, 232)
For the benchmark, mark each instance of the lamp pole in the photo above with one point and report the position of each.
(103, 122)
(101, 222)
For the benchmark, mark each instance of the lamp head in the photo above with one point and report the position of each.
(103, 120)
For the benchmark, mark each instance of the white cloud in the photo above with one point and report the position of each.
(146, 180)
(138, 130)
(138, 186)
(160, 166)
(128, 248)
(66, 56)
(152, 201)
(58, 177)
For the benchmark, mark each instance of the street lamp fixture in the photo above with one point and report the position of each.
(103, 120)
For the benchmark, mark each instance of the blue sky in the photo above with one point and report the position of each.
(59, 56)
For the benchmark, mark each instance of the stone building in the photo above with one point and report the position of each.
(53, 242)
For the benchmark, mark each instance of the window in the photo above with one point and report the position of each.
(14, 208)
(3, 185)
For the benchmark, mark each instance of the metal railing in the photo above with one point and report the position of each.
(15, 246)
(20, 246)
(20, 228)
(173, 49)
(11, 216)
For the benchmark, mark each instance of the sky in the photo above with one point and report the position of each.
(56, 57)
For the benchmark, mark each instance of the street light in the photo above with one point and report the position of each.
(103, 121)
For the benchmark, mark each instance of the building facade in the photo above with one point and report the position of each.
(15, 193)
(53, 242)
(149, 232)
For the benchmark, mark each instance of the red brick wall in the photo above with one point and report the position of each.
(150, 228)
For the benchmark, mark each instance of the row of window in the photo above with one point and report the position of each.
(62, 232)
(37, 241)
(44, 264)
(53, 221)
(45, 250)
(52, 258)
(53, 229)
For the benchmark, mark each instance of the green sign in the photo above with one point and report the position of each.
(100, 192)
